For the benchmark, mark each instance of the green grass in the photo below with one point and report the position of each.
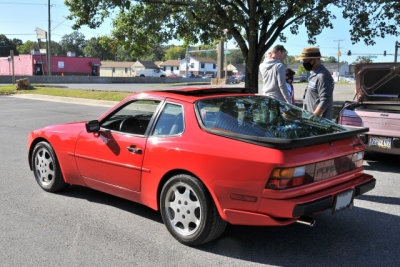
(7, 89)
(87, 94)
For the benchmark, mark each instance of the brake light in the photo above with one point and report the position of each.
(350, 120)
(284, 178)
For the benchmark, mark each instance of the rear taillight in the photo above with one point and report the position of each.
(352, 121)
(284, 178)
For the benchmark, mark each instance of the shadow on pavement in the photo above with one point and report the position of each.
(381, 199)
(359, 237)
(92, 195)
(381, 162)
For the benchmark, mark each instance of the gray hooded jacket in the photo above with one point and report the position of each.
(274, 77)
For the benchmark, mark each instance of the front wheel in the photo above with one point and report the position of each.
(46, 168)
(188, 211)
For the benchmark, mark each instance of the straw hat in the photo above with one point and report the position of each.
(309, 53)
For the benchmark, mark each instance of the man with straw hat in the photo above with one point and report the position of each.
(318, 96)
(273, 72)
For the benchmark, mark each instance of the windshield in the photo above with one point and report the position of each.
(261, 116)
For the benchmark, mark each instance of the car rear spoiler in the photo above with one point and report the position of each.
(284, 144)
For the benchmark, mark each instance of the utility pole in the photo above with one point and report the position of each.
(226, 56)
(338, 57)
(226, 62)
(396, 45)
(12, 62)
(187, 61)
(220, 59)
(49, 42)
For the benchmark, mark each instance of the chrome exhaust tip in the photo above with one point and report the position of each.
(309, 221)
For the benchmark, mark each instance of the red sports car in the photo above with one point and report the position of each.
(206, 157)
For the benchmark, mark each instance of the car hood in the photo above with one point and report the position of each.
(377, 82)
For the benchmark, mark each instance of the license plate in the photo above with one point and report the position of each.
(381, 142)
(343, 200)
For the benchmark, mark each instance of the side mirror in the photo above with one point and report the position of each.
(93, 126)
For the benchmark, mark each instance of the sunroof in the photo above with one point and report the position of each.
(212, 91)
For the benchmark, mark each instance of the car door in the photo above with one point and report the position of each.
(114, 155)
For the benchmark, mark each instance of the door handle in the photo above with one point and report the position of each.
(134, 150)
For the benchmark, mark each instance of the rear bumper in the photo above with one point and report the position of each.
(326, 203)
(274, 212)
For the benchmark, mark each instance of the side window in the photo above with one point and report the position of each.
(170, 121)
(132, 118)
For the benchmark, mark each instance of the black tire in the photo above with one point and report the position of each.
(46, 168)
(188, 211)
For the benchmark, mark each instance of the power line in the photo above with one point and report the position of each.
(62, 22)
(18, 34)
(22, 3)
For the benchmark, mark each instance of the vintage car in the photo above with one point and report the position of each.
(377, 106)
(206, 157)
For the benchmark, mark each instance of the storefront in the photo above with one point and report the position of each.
(37, 65)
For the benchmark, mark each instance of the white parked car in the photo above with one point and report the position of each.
(150, 73)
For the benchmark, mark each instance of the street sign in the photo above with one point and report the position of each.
(41, 34)
(227, 52)
(372, 56)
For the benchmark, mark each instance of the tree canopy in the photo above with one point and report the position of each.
(362, 59)
(74, 42)
(7, 44)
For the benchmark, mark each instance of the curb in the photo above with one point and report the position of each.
(71, 100)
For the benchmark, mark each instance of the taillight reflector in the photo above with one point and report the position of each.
(283, 178)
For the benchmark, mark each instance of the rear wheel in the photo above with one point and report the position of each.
(46, 168)
(188, 211)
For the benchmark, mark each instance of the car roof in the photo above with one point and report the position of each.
(191, 94)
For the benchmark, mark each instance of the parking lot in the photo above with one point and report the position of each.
(85, 227)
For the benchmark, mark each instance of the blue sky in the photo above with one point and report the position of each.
(20, 18)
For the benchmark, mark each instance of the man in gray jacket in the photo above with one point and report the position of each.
(273, 72)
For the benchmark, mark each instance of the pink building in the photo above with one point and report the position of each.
(28, 65)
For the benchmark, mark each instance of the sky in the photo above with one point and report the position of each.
(19, 19)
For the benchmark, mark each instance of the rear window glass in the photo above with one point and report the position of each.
(261, 116)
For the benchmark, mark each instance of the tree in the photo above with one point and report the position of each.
(175, 52)
(26, 47)
(362, 59)
(6, 45)
(330, 60)
(56, 49)
(123, 54)
(156, 53)
(99, 47)
(302, 70)
(255, 25)
(16, 42)
(74, 42)
(289, 60)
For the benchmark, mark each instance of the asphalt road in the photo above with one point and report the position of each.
(83, 227)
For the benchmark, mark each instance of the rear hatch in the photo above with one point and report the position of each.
(377, 82)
